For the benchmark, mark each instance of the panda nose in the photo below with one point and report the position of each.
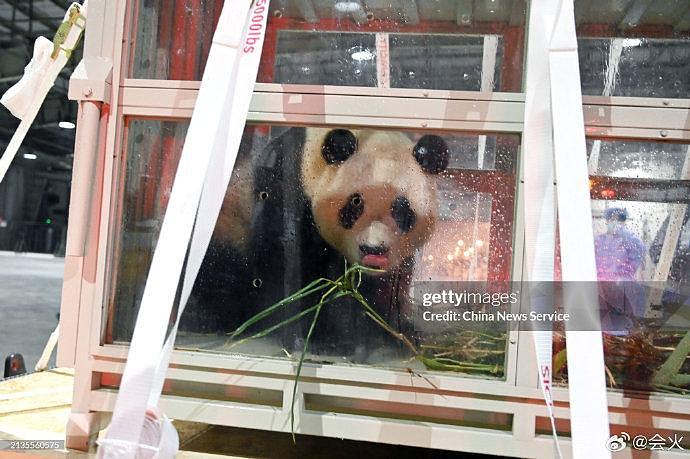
(373, 250)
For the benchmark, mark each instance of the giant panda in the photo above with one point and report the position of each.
(301, 205)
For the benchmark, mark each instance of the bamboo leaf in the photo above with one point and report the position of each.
(303, 292)
(673, 363)
(559, 361)
(268, 330)
(301, 360)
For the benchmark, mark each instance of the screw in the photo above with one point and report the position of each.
(665, 101)
(425, 93)
(663, 133)
(88, 91)
(425, 124)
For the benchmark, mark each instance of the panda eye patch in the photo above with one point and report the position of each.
(338, 145)
(351, 211)
(431, 152)
(403, 214)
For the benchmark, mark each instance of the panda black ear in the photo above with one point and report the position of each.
(431, 152)
(338, 145)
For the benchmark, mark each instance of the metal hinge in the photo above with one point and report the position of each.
(91, 80)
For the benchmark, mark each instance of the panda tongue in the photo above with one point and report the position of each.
(376, 261)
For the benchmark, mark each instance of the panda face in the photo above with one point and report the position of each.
(371, 192)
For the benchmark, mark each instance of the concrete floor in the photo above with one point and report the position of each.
(30, 288)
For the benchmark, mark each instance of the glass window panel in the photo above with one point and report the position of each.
(152, 150)
(340, 59)
(634, 159)
(636, 49)
(412, 45)
(281, 228)
(636, 188)
(635, 67)
(445, 62)
(172, 39)
(465, 256)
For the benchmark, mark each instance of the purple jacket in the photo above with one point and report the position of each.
(618, 255)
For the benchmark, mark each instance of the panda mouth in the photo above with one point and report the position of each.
(376, 261)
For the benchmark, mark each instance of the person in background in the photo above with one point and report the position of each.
(679, 274)
(619, 255)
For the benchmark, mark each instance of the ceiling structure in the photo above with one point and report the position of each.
(21, 21)
(34, 197)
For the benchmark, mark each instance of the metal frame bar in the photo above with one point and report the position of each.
(670, 244)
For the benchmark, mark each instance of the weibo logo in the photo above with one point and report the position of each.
(618, 442)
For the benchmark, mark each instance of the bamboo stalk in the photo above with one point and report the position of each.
(670, 368)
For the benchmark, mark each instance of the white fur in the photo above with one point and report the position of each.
(382, 168)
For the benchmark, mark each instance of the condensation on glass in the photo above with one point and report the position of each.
(414, 44)
(285, 223)
(640, 194)
(152, 150)
(636, 49)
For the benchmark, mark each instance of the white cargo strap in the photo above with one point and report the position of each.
(539, 197)
(586, 373)
(24, 98)
(203, 172)
(554, 136)
(217, 180)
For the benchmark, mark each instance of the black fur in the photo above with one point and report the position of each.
(351, 211)
(286, 253)
(338, 146)
(403, 214)
(431, 152)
